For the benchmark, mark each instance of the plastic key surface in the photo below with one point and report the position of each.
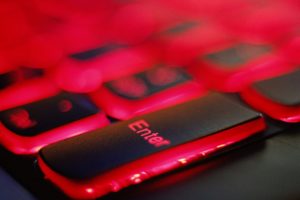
(233, 66)
(278, 97)
(27, 128)
(126, 153)
(147, 91)
(99, 65)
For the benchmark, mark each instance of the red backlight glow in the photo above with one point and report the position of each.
(153, 165)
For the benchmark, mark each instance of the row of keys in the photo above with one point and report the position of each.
(152, 144)
(224, 64)
(228, 66)
(36, 113)
(166, 139)
(44, 115)
(43, 112)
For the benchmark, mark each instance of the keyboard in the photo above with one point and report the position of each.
(98, 97)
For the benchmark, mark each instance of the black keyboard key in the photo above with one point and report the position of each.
(26, 128)
(128, 152)
(237, 55)
(278, 97)
(147, 91)
(154, 80)
(35, 118)
(283, 89)
(96, 66)
(233, 66)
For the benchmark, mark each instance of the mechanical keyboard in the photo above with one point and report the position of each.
(99, 96)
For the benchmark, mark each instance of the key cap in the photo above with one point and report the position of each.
(128, 152)
(278, 97)
(26, 91)
(144, 92)
(231, 67)
(111, 63)
(27, 127)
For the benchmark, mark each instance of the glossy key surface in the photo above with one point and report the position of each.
(278, 97)
(156, 88)
(283, 89)
(101, 152)
(147, 83)
(38, 117)
(27, 128)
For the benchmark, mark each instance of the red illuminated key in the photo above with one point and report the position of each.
(129, 152)
(26, 92)
(34, 114)
(78, 74)
(147, 91)
(278, 97)
(232, 66)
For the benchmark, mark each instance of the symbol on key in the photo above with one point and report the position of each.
(163, 76)
(65, 105)
(43, 117)
(21, 119)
